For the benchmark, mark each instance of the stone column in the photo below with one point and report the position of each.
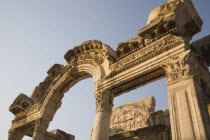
(16, 134)
(187, 79)
(104, 104)
(40, 129)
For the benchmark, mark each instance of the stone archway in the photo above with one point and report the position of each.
(162, 49)
(90, 59)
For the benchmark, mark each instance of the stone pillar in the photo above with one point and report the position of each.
(104, 104)
(40, 129)
(187, 80)
(16, 134)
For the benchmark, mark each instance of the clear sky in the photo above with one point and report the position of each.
(35, 34)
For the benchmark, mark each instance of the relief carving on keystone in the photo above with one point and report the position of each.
(131, 116)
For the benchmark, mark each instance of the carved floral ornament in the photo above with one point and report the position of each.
(188, 64)
(131, 116)
(104, 101)
(92, 51)
(127, 120)
(164, 32)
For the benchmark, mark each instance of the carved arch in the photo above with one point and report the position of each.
(91, 55)
(90, 59)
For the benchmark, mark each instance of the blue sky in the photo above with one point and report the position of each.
(36, 34)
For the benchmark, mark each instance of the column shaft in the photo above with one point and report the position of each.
(101, 126)
(104, 103)
(187, 112)
(188, 78)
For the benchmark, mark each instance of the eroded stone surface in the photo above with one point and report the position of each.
(162, 49)
(21, 103)
(131, 116)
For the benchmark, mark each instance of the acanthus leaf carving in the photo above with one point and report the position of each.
(186, 65)
(159, 47)
(91, 51)
(104, 101)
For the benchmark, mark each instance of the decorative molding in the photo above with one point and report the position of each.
(166, 38)
(89, 52)
(149, 52)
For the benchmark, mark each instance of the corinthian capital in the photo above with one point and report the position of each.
(187, 64)
(104, 101)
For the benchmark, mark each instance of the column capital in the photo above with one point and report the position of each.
(186, 65)
(104, 101)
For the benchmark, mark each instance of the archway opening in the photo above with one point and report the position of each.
(156, 89)
(77, 113)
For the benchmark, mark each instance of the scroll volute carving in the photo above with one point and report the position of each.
(185, 65)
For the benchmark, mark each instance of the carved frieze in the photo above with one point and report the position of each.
(167, 28)
(149, 52)
(131, 116)
(92, 51)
